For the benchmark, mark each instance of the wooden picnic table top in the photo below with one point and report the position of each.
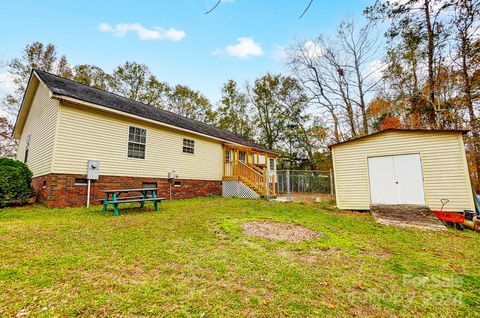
(129, 190)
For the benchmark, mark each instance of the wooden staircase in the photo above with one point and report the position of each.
(250, 175)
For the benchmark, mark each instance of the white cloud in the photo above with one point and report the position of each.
(374, 70)
(244, 48)
(7, 86)
(309, 49)
(434, 5)
(157, 33)
(105, 27)
(312, 50)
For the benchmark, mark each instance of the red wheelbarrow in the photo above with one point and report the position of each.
(456, 219)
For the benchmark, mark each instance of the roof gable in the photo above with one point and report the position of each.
(27, 100)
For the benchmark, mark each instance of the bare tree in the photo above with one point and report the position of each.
(339, 81)
(339, 74)
(362, 49)
(307, 65)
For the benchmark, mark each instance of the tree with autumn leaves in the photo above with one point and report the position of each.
(432, 75)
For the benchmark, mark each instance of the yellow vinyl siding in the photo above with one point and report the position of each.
(85, 134)
(41, 125)
(444, 166)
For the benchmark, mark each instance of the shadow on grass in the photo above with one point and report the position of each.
(127, 210)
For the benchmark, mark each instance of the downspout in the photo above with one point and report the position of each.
(88, 193)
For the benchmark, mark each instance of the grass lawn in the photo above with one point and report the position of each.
(192, 260)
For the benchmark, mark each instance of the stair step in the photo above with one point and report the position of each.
(252, 185)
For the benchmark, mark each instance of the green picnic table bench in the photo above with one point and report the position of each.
(114, 197)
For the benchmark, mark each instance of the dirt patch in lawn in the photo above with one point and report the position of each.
(276, 231)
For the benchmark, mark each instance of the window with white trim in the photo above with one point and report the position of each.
(228, 155)
(137, 141)
(188, 146)
(261, 160)
(272, 164)
(27, 146)
(242, 156)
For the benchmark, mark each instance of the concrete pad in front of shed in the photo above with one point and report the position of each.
(407, 216)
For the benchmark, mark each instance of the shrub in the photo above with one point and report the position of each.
(15, 182)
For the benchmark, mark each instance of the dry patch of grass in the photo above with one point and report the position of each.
(277, 231)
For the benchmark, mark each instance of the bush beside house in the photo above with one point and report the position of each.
(15, 182)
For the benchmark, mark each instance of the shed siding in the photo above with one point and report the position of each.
(90, 134)
(41, 125)
(444, 165)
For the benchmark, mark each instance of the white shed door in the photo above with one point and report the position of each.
(382, 180)
(409, 179)
(396, 180)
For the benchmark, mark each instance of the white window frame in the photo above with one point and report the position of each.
(245, 156)
(228, 155)
(27, 148)
(262, 160)
(270, 167)
(128, 142)
(184, 146)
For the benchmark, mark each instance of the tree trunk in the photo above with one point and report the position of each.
(364, 113)
(362, 97)
(348, 103)
(471, 112)
(336, 132)
(351, 119)
(430, 56)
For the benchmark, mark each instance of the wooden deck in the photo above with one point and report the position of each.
(249, 167)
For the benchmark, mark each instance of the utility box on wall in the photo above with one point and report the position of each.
(172, 175)
(93, 169)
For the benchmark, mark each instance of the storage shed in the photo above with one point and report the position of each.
(403, 166)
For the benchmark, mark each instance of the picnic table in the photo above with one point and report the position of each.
(114, 197)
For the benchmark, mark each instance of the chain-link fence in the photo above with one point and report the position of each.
(304, 185)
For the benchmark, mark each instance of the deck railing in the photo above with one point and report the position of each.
(254, 177)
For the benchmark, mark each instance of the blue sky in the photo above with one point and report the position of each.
(241, 39)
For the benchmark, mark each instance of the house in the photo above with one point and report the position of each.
(403, 166)
(63, 124)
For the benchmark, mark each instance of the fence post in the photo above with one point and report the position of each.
(289, 196)
(331, 182)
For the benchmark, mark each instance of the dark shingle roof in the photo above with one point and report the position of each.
(65, 87)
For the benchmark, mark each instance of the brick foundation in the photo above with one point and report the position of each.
(60, 190)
